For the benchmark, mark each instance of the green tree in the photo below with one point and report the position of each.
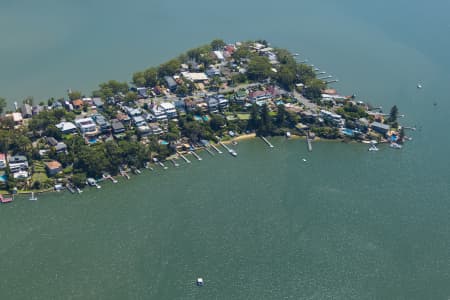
(130, 97)
(281, 116)
(259, 68)
(2, 104)
(139, 79)
(151, 77)
(305, 73)
(73, 95)
(217, 122)
(253, 121)
(314, 89)
(217, 44)
(79, 179)
(169, 68)
(393, 115)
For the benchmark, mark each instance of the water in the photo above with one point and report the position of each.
(345, 224)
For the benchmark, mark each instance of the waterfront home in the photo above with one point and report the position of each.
(26, 111)
(169, 109)
(67, 127)
(53, 167)
(219, 55)
(142, 92)
(170, 82)
(335, 119)
(60, 147)
(213, 104)
(16, 117)
(77, 104)
(2, 160)
(98, 102)
(18, 163)
(87, 126)
(117, 126)
(380, 127)
(87, 101)
(37, 109)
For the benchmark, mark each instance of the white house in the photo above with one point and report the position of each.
(87, 126)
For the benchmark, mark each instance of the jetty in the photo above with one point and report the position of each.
(174, 163)
(70, 188)
(110, 178)
(124, 174)
(184, 157)
(196, 155)
(267, 142)
(231, 151)
(217, 149)
(325, 77)
(162, 165)
(331, 81)
(209, 151)
(309, 141)
(409, 127)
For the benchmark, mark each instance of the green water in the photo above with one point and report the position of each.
(345, 224)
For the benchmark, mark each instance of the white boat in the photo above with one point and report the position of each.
(395, 146)
(304, 159)
(200, 281)
(419, 86)
(33, 198)
(288, 134)
(373, 148)
(232, 152)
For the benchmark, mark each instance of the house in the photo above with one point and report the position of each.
(223, 102)
(155, 128)
(240, 96)
(219, 55)
(260, 97)
(53, 167)
(98, 102)
(77, 104)
(17, 118)
(60, 147)
(212, 71)
(143, 130)
(170, 82)
(2, 160)
(189, 104)
(37, 109)
(117, 126)
(88, 101)
(125, 119)
(195, 77)
(27, 111)
(336, 119)
(142, 92)
(380, 127)
(159, 113)
(51, 141)
(139, 121)
(180, 106)
(67, 127)
(18, 163)
(213, 104)
(87, 126)
(169, 109)
(103, 124)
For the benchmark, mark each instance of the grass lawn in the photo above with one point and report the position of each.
(243, 116)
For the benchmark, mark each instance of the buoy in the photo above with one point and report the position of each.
(200, 281)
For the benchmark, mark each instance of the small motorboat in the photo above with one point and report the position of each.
(373, 148)
(395, 145)
(288, 134)
(419, 86)
(200, 281)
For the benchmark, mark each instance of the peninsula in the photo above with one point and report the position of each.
(207, 95)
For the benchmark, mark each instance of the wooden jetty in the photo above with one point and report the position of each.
(124, 174)
(196, 155)
(184, 157)
(209, 151)
(217, 149)
(174, 163)
(267, 142)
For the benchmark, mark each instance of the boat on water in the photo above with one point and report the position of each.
(232, 152)
(419, 86)
(93, 182)
(373, 147)
(234, 142)
(288, 134)
(395, 145)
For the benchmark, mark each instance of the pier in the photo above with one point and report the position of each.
(267, 142)
(196, 155)
(174, 163)
(70, 188)
(309, 141)
(209, 151)
(162, 165)
(331, 81)
(325, 77)
(231, 151)
(124, 174)
(184, 157)
(217, 149)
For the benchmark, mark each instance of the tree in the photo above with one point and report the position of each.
(79, 179)
(265, 126)
(259, 68)
(217, 44)
(73, 95)
(393, 114)
(286, 77)
(2, 104)
(305, 73)
(281, 116)
(139, 79)
(151, 77)
(314, 89)
(217, 122)
(253, 121)
(169, 68)
(130, 97)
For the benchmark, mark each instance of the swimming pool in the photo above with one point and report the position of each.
(348, 132)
